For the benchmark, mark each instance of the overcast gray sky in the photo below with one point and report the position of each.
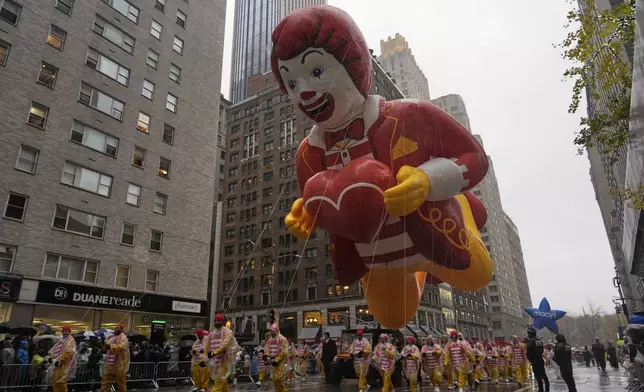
(499, 56)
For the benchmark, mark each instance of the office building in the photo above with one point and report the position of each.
(262, 265)
(397, 59)
(254, 23)
(288, 6)
(108, 162)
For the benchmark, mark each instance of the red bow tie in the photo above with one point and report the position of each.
(354, 131)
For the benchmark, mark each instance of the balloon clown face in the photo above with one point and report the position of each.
(374, 172)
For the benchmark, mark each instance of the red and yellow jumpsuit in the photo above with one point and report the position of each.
(303, 353)
(277, 350)
(361, 349)
(431, 354)
(200, 371)
(63, 355)
(219, 342)
(411, 357)
(520, 362)
(492, 361)
(385, 354)
(116, 363)
(456, 355)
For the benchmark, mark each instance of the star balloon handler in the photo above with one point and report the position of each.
(544, 316)
(390, 181)
(117, 361)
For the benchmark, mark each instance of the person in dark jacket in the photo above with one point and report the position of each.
(600, 354)
(612, 356)
(563, 359)
(587, 356)
(534, 353)
(329, 352)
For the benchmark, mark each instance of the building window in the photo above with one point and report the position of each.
(70, 268)
(138, 157)
(7, 256)
(268, 146)
(181, 19)
(94, 139)
(27, 159)
(175, 73)
(10, 12)
(114, 34)
(148, 90)
(100, 101)
(151, 280)
(168, 134)
(311, 293)
(122, 276)
(38, 115)
(171, 103)
(4, 52)
(229, 250)
(79, 222)
(56, 37)
(160, 5)
(160, 203)
(86, 179)
(143, 123)
(177, 45)
(127, 234)
(125, 8)
(156, 240)
(156, 30)
(107, 67)
(268, 176)
(47, 75)
(65, 6)
(164, 167)
(16, 207)
(153, 59)
(133, 195)
(311, 253)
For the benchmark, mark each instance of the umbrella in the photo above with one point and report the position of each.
(45, 337)
(185, 343)
(23, 330)
(104, 333)
(87, 335)
(135, 337)
(6, 327)
(189, 337)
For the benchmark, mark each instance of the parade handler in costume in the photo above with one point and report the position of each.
(117, 361)
(277, 350)
(389, 181)
(360, 350)
(220, 344)
(457, 353)
(200, 371)
(520, 360)
(303, 353)
(492, 362)
(411, 363)
(262, 360)
(431, 355)
(384, 359)
(63, 357)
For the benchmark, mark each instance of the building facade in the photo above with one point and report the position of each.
(254, 23)
(262, 265)
(397, 59)
(107, 161)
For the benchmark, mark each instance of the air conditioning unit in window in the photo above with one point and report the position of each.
(84, 98)
(138, 162)
(91, 62)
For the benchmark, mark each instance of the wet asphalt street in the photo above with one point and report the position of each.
(587, 380)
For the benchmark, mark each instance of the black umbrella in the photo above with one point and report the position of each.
(23, 330)
(189, 337)
(6, 327)
(135, 337)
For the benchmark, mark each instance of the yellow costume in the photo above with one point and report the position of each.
(63, 356)
(219, 344)
(277, 351)
(360, 350)
(292, 356)
(303, 352)
(200, 371)
(520, 361)
(431, 354)
(411, 363)
(318, 360)
(384, 357)
(457, 353)
(116, 363)
(492, 361)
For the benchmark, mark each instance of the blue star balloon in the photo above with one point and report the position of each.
(545, 317)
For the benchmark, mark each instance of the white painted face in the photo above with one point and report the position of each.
(322, 88)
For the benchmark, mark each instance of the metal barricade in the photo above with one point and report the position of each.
(87, 374)
(173, 371)
(243, 371)
(16, 376)
(142, 372)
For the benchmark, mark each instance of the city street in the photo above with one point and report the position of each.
(587, 380)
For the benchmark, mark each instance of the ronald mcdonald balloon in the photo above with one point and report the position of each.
(389, 181)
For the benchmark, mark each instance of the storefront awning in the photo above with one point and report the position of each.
(334, 330)
(419, 332)
(406, 332)
(308, 333)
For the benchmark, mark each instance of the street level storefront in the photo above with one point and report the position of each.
(9, 293)
(160, 318)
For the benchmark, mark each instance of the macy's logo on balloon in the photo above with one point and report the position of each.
(545, 314)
